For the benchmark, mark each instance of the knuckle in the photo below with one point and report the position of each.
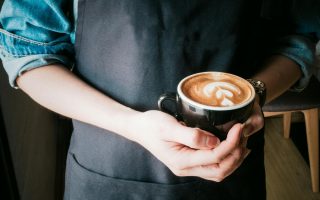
(219, 175)
(194, 138)
(222, 175)
(217, 158)
(218, 179)
(234, 162)
(259, 122)
(237, 154)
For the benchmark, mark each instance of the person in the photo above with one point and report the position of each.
(105, 63)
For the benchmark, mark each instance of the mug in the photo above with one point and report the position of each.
(210, 101)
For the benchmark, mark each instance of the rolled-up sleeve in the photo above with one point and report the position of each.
(35, 34)
(300, 46)
(301, 50)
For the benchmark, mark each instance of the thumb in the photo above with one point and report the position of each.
(234, 134)
(254, 123)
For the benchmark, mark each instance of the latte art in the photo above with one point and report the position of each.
(222, 91)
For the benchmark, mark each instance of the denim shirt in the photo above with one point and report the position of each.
(38, 33)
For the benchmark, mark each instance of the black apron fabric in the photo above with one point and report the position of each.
(133, 51)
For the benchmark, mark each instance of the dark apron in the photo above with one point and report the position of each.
(135, 50)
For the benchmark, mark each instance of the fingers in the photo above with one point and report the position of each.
(211, 164)
(254, 123)
(187, 157)
(216, 172)
(230, 144)
(184, 150)
(232, 162)
(226, 127)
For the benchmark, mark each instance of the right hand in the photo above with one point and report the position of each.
(188, 151)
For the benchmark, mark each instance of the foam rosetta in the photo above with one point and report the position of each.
(212, 90)
(221, 90)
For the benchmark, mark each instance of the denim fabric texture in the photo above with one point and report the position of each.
(41, 32)
(300, 50)
(34, 34)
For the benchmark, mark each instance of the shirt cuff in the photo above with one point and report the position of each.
(301, 50)
(19, 54)
(15, 67)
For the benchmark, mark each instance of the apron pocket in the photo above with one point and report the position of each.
(85, 184)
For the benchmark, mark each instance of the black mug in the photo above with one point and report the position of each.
(206, 117)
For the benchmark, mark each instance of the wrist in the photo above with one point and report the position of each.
(122, 122)
(132, 126)
(141, 125)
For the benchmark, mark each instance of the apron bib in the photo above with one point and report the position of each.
(133, 51)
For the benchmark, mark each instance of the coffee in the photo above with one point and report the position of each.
(210, 100)
(217, 89)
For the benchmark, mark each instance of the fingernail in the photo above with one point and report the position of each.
(247, 152)
(246, 128)
(243, 126)
(248, 121)
(212, 142)
(246, 132)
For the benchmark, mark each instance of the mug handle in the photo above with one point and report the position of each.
(169, 96)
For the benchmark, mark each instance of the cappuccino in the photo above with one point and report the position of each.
(208, 100)
(217, 89)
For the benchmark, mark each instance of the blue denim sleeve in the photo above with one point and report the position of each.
(301, 45)
(30, 39)
(301, 50)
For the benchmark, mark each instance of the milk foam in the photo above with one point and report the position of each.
(221, 91)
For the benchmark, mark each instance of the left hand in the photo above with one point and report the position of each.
(255, 122)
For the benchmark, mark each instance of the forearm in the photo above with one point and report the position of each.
(180, 148)
(279, 74)
(57, 89)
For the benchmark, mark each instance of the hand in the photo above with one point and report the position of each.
(255, 122)
(188, 151)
